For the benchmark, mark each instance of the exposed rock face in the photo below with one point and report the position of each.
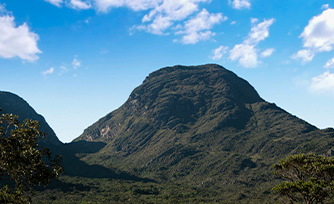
(11, 103)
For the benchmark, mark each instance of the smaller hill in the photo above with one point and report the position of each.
(11, 103)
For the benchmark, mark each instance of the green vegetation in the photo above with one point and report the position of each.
(196, 134)
(204, 127)
(22, 162)
(310, 178)
(91, 190)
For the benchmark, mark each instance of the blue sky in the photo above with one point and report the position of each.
(74, 61)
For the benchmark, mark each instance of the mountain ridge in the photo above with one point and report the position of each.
(203, 126)
(12, 103)
(145, 105)
(200, 126)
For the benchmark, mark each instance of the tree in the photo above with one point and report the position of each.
(22, 161)
(310, 178)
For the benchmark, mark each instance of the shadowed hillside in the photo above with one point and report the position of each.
(11, 103)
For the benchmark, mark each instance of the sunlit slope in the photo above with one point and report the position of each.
(201, 125)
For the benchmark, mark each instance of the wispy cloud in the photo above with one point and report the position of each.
(55, 2)
(254, 20)
(325, 6)
(162, 15)
(16, 41)
(198, 28)
(267, 53)
(49, 71)
(246, 52)
(323, 83)
(259, 32)
(136, 5)
(239, 4)
(317, 36)
(76, 63)
(219, 52)
(305, 55)
(79, 5)
(329, 63)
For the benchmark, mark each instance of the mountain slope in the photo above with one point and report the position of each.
(204, 126)
(11, 103)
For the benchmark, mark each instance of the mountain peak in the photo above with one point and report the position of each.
(191, 123)
(181, 98)
(186, 93)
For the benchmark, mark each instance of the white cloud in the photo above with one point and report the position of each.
(79, 5)
(254, 20)
(166, 12)
(323, 83)
(239, 4)
(17, 41)
(317, 35)
(246, 52)
(268, 52)
(329, 63)
(76, 63)
(49, 71)
(325, 6)
(259, 32)
(198, 28)
(195, 37)
(233, 22)
(159, 25)
(305, 55)
(55, 2)
(173, 9)
(136, 5)
(162, 15)
(218, 52)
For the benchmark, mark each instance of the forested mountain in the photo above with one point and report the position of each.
(197, 133)
(202, 126)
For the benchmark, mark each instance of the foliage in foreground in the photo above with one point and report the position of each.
(22, 161)
(310, 178)
(103, 190)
